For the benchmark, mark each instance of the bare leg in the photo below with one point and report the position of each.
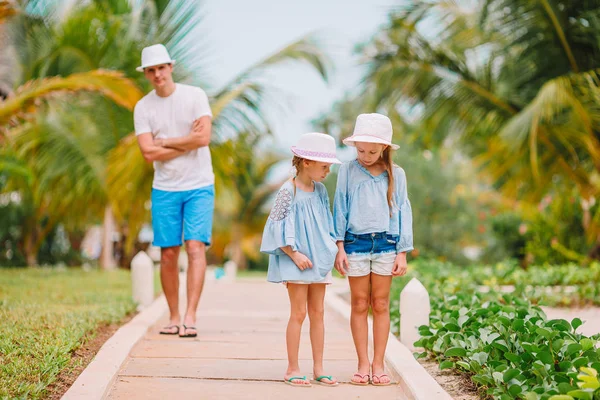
(316, 297)
(298, 294)
(380, 302)
(196, 252)
(359, 290)
(169, 279)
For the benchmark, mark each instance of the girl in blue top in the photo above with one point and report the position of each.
(299, 239)
(373, 229)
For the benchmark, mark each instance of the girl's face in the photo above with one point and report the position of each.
(369, 153)
(316, 170)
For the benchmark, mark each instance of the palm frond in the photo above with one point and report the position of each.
(7, 9)
(129, 183)
(108, 83)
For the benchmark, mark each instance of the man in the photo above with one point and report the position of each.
(173, 129)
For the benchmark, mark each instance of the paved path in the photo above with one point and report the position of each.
(239, 353)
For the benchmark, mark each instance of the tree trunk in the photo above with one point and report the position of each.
(30, 251)
(107, 260)
(237, 253)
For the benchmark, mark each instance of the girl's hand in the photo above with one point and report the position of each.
(399, 265)
(341, 261)
(301, 261)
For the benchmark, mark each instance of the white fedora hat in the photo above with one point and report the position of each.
(372, 128)
(316, 147)
(154, 55)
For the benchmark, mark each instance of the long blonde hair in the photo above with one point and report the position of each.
(389, 167)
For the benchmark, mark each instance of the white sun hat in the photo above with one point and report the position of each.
(316, 147)
(154, 55)
(372, 128)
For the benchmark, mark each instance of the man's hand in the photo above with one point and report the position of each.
(159, 142)
(301, 261)
(399, 265)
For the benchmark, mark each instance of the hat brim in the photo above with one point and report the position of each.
(319, 159)
(141, 67)
(368, 139)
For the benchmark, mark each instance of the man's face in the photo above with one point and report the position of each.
(159, 75)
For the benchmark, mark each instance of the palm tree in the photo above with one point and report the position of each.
(244, 189)
(20, 119)
(516, 82)
(110, 34)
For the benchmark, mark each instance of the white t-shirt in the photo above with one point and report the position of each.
(170, 117)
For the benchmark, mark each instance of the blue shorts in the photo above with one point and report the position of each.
(370, 243)
(370, 253)
(188, 213)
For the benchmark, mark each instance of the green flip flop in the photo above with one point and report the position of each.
(319, 380)
(299, 378)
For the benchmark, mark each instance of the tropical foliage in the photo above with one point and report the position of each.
(99, 170)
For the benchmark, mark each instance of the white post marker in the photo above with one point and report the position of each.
(142, 279)
(414, 312)
(230, 268)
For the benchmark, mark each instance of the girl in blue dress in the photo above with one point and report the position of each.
(299, 239)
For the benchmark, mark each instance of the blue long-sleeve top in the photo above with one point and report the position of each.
(360, 205)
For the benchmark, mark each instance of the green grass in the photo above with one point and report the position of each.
(45, 316)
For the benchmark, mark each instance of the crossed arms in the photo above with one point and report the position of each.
(170, 148)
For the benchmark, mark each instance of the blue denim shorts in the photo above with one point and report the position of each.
(370, 243)
(370, 253)
(188, 213)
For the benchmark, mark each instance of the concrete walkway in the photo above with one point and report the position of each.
(240, 353)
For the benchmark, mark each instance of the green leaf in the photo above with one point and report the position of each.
(462, 319)
(446, 365)
(500, 344)
(581, 394)
(512, 357)
(586, 344)
(580, 362)
(518, 325)
(510, 374)
(545, 333)
(561, 397)
(576, 323)
(545, 357)
(498, 377)
(531, 348)
(491, 337)
(480, 357)
(560, 324)
(452, 327)
(464, 365)
(565, 366)
(565, 388)
(573, 348)
(515, 390)
(455, 352)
